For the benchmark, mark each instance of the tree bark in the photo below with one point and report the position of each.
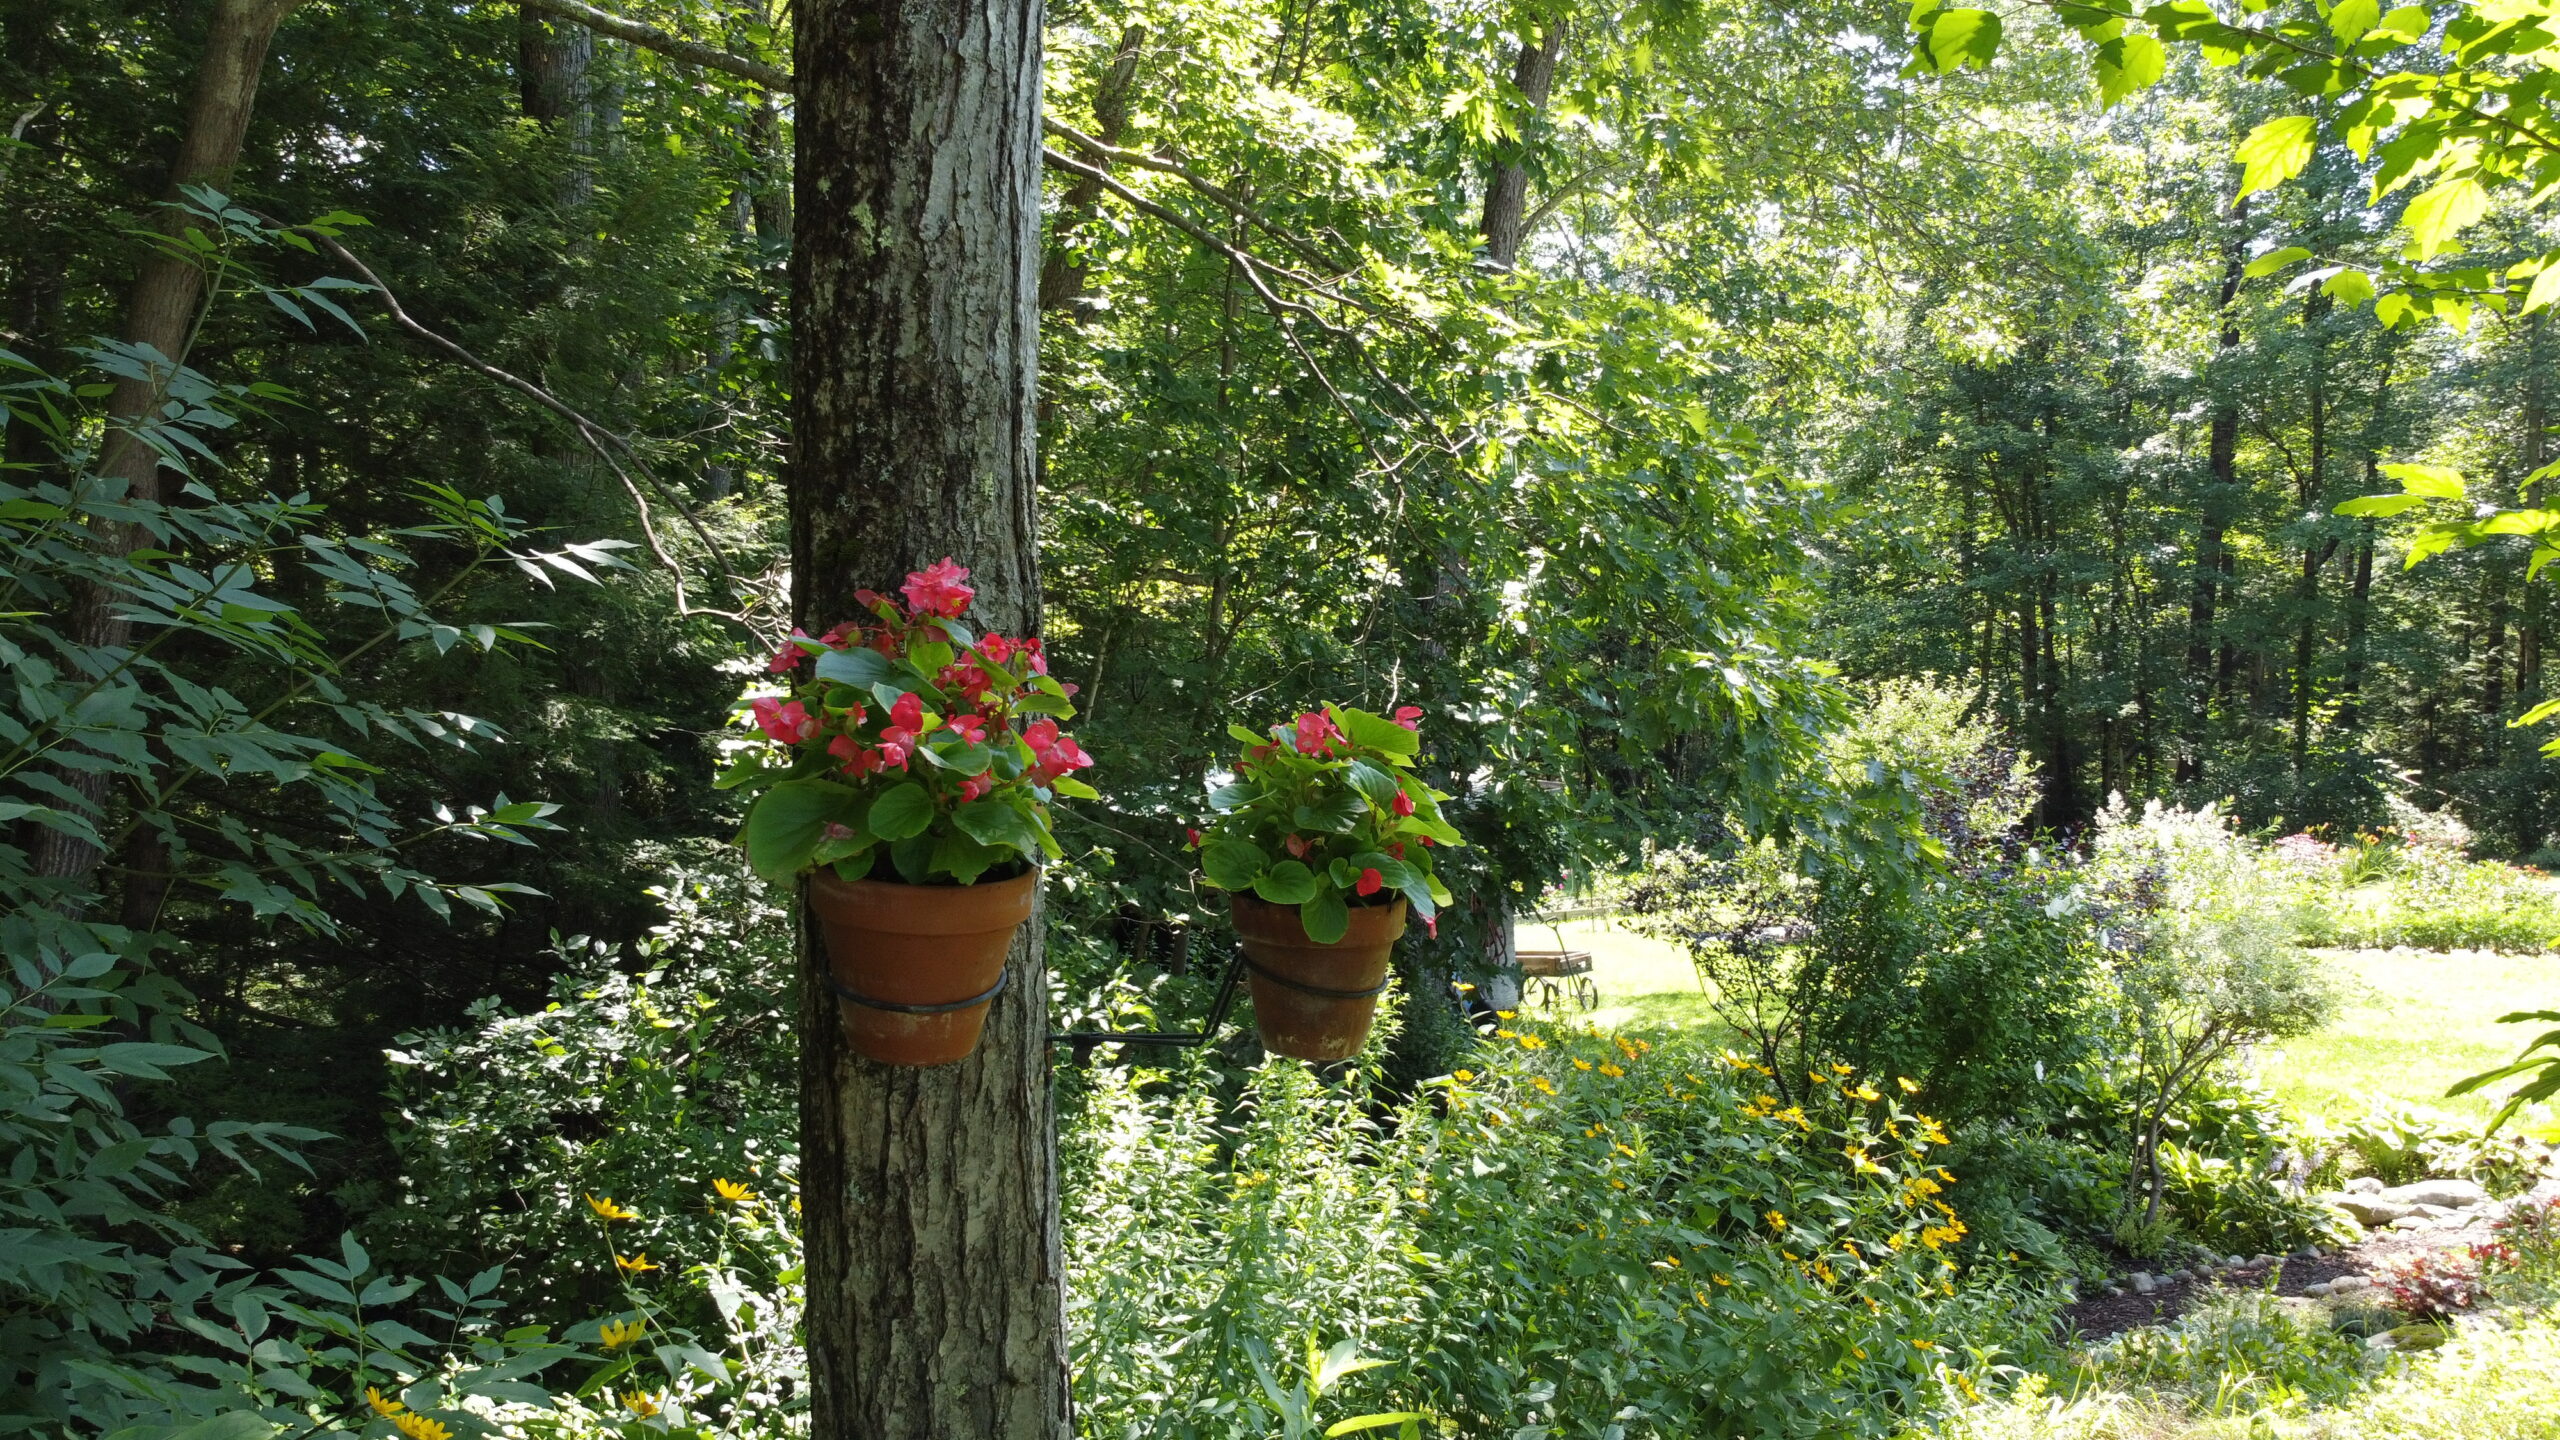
(160, 315)
(1506, 192)
(935, 1275)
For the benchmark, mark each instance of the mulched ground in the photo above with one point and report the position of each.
(2102, 1315)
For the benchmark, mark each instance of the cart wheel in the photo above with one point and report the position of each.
(1586, 992)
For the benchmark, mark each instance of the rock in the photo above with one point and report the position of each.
(2369, 1210)
(2409, 1337)
(2142, 1282)
(2116, 1291)
(2432, 1212)
(2364, 1185)
(2350, 1284)
(2451, 1194)
(2320, 1291)
(2267, 1260)
(2413, 1222)
(2232, 1262)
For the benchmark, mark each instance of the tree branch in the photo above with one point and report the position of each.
(600, 440)
(675, 47)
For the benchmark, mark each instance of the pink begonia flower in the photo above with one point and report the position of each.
(789, 655)
(1396, 849)
(996, 648)
(1402, 805)
(1030, 645)
(970, 680)
(789, 723)
(1371, 882)
(1297, 848)
(859, 759)
(976, 786)
(896, 744)
(972, 728)
(908, 713)
(1040, 734)
(1409, 716)
(1194, 834)
(939, 590)
(1432, 923)
(842, 635)
(1316, 733)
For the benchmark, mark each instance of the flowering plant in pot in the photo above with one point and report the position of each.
(1324, 837)
(909, 781)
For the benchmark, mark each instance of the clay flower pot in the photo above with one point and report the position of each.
(916, 966)
(1311, 1001)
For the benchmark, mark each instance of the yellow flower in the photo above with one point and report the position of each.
(382, 1404)
(617, 1333)
(1506, 1034)
(1582, 1065)
(1416, 1192)
(1671, 1260)
(1617, 1184)
(1721, 1279)
(1868, 1093)
(1463, 1076)
(607, 1210)
(419, 1427)
(1924, 1344)
(1612, 1071)
(1621, 1149)
(1859, 1351)
(1839, 1068)
(640, 1403)
(634, 1264)
(1818, 1077)
(1533, 1042)
(1544, 1084)
(1777, 1220)
(1505, 1014)
(732, 1191)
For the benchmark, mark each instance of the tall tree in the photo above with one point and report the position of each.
(159, 322)
(935, 1275)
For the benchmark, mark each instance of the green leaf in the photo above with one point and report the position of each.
(2274, 153)
(964, 858)
(2127, 64)
(2405, 23)
(787, 821)
(2352, 20)
(2348, 287)
(1074, 789)
(1332, 812)
(1325, 917)
(1375, 785)
(902, 813)
(1232, 864)
(2433, 482)
(996, 822)
(861, 668)
(2380, 505)
(2535, 716)
(1376, 732)
(2446, 209)
(2546, 286)
(1247, 736)
(1958, 38)
(1287, 883)
(2275, 260)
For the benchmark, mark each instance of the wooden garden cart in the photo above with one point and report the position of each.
(1553, 975)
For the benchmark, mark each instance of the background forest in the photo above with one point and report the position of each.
(1688, 405)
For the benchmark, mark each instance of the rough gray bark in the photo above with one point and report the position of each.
(160, 312)
(935, 1276)
(1506, 193)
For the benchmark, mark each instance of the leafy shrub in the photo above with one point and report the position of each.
(2237, 1353)
(2237, 1206)
(634, 1087)
(2431, 898)
(2434, 1284)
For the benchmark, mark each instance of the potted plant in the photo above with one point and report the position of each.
(911, 789)
(1324, 837)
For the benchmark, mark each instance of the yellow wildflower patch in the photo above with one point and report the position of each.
(732, 1191)
(607, 1210)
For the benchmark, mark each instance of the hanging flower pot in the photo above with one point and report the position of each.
(1325, 839)
(915, 967)
(1311, 999)
(912, 762)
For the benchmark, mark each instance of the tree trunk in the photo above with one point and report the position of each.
(935, 1276)
(1506, 191)
(553, 58)
(160, 313)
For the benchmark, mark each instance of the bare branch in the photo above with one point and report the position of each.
(602, 441)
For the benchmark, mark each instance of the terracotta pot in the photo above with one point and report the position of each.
(1315, 1001)
(916, 966)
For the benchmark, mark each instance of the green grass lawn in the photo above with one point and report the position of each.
(1644, 984)
(2414, 1022)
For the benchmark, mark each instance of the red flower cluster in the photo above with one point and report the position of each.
(935, 594)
